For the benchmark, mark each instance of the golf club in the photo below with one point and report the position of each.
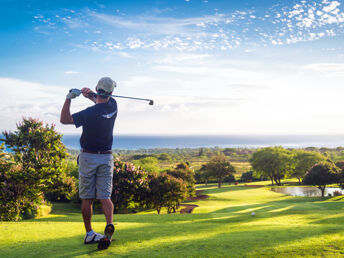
(151, 102)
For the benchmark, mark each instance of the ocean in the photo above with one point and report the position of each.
(134, 142)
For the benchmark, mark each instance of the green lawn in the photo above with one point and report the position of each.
(221, 226)
(241, 167)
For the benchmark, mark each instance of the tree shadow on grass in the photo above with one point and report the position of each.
(334, 219)
(58, 247)
(224, 189)
(174, 239)
(293, 204)
(209, 234)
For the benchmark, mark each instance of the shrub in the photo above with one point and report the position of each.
(134, 188)
(38, 154)
(64, 189)
(164, 157)
(337, 193)
(130, 187)
(184, 172)
(229, 179)
(166, 191)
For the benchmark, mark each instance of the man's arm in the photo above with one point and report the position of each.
(66, 117)
(89, 94)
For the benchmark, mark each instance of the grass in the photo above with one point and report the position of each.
(241, 167)
(222, 226)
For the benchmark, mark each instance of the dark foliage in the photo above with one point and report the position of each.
(36, 167)
(321, 175)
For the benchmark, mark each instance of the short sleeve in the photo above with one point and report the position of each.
(79, 118)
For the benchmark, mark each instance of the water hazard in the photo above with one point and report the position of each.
(306, 191)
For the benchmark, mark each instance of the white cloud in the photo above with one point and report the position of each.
(329, 69)
(332, 6)
(278, 25)
(30, 99)
(157, 25)
(139, 81)
(71, 72)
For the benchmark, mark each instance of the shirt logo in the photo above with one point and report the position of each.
(108, 116)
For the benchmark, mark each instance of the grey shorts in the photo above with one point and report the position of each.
(95, 176)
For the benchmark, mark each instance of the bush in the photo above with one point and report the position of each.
(63, 190)
(38, 211)
(166, 191)
(229, 179)
(164, 157)
(337, 193)
(130, 187)
(250, 177)
(12, 189)
(134, 188)
(36, 167)
(184, 172)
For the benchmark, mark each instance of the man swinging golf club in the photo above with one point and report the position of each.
(95, 160)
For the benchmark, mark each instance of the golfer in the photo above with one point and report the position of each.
(95, 160)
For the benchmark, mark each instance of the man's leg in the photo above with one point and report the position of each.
(104, 191)
(104, 185)
(107, 207)
(87, 211)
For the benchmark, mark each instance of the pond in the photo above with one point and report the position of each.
(306, 191)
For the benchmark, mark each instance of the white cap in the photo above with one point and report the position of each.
(106, 84)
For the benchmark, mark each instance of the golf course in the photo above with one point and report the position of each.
(221, 226)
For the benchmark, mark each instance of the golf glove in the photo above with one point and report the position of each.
(73, 93)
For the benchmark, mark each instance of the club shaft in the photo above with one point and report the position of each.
(117, 96)
(124, 97)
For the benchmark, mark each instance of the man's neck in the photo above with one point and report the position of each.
(101, 100)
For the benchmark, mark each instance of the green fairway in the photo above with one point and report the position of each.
(221, 226)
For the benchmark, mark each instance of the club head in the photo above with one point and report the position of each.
(151, 102)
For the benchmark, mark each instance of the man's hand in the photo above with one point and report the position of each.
(88, 93)
(73, 93)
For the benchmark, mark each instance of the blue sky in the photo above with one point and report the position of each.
(213, 67)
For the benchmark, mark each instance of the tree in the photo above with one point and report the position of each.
(202, 175)
(272, 162)
(176, 194)
(229, 151)
(304, 161)
(250, 176)
(166, 191)
(340, 165)
(185, 173)
(321, 175)
(38, 154)
(219, 167)
(164, 157)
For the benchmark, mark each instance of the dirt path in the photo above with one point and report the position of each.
(189, 207)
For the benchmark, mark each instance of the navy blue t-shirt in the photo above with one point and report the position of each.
(97, 125)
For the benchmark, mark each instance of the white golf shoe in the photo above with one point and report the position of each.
(93, 238)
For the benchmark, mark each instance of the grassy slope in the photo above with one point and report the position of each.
(284, 226)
